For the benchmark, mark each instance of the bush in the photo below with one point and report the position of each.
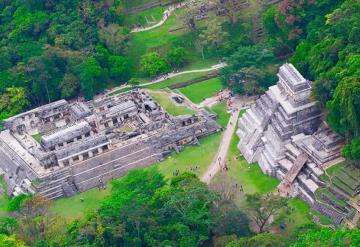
(153, 64)
(16, 202)
(177, 57)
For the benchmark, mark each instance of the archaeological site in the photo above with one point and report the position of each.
(64, 148)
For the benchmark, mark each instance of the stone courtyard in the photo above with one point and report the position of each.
(64, 148)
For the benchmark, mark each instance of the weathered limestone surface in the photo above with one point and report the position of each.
(282, 131)
(84, 144)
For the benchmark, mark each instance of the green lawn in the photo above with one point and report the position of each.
(37, 137)
(73, 207)
(146, 18)
(222, 115)
(143, 42)
(163, 98)
(253, 180)
(192, 156)
(248, 175)
(176, 80)
(4, 199)
(161, 39)
(322, 218)
(199, 91)
(167, 83)
(201, 156)
(297, 216)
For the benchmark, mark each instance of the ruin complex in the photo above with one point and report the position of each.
(64, 148)
(284, 132)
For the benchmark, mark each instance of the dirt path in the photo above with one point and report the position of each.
(220, 158)
(168, 76)
(167, 13)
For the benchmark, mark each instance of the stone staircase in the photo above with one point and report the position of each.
(52, 187)
(112, 164)
(285, 186)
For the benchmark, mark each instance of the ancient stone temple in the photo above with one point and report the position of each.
(282, 112)
(283, 132)
(62, 148)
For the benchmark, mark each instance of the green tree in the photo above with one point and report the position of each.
(16, 202)
(10, 241)
(7, 225)
(248, 81)
(262, 207)
(69, 86)
(91, 76)
(134, 82)
(213, 37)
(184, 211)
(153, 64)
(13, 102)
(115, 38)
(245, 72)
(344, 109)
(352, 150)
(328, 237)
(231, 10)
(119, 68)
(229, 220)
(177, 57)
(259, 240)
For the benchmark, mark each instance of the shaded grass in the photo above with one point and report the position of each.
(192, 156)
(163, 98)
(199, 91)
(73, 207)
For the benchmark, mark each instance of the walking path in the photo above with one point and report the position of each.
(219, 160)
(170, 75)
(166, 15)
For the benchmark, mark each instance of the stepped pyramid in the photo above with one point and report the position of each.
(282, 112)
(282, 131)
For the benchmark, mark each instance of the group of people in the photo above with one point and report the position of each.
(240, 187)
(176, 173)
(191, 168)
(161, 77)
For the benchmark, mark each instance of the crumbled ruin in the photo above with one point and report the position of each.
(64, 148)
(284, 132)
